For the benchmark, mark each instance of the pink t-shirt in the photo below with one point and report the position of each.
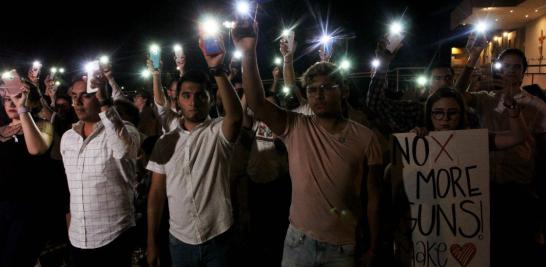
(327, 170)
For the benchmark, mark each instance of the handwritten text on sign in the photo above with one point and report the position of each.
(446, 182)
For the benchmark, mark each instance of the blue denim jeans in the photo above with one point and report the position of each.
(301, 250)
(212, 253)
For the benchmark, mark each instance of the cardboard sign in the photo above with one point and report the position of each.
(443, 179)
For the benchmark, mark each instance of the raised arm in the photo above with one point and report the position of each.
(159, 96)
(271, 114)
(116, 89)
(38, 140)
(289, 74)
(518, 129)
(400, 116)
(233, 118)
(475, 44)
(123, 139)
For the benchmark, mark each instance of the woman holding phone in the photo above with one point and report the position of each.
(24, 142)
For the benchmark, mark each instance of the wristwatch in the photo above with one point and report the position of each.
(218, 70)
(105, 102)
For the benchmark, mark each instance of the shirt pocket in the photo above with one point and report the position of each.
(97, 160)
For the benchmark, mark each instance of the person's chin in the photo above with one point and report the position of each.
(13, 115)
(446, 128)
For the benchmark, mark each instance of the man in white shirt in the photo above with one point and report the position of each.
(99, 154)
(190, 167)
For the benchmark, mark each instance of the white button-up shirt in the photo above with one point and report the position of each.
(101, 173)
(196, 165)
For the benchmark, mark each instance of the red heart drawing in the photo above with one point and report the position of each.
(463, 254)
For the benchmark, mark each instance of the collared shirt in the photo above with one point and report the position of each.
(196, 165)
(515, 164)
(101, 173)
(399, 115)
(167, 117)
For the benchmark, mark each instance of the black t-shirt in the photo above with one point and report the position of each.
(23, 177)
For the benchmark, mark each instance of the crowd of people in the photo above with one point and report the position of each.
(213, 169)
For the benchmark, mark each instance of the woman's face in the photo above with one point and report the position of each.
(446, 114)
(10, 108)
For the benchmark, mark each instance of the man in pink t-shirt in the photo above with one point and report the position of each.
(328, 155)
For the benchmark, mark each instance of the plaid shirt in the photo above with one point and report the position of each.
(399, 115)
(101, 173)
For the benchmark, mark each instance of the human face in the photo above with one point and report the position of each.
(171, 91)
(139, 101)
(440, 77)
(10, 108)
(62, 107)
(512, 69)
(194, 102)
(85, 105)
(446, 114)
(324, 96)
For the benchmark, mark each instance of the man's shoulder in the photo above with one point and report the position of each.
(165, 147)
(534, 102)
(359, 129)
(169, 139)
(70, 133)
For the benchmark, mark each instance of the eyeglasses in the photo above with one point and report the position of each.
(447, 77)
(440, 114)
(313, 90)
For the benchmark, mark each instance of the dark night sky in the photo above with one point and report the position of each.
(66, 34)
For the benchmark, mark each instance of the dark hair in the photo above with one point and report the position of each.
(445, 92)
(535, 90)
(439, 66)
(514, 52)
(145, 94)
(63, 96)
(195, 76)
(323, 69)
(127, 111)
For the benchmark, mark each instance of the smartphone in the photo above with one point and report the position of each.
(212, 46)
(245, 23)
(12, 83)
(35, 70)
(178, 53)
(394, 40)
(496, 74)
(155, 57)
(92, 68)
(289, 38)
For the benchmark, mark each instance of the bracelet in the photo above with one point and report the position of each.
(105, 102)
(22, 110)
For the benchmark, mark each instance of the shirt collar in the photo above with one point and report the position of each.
(206, 122)
(78, 127)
